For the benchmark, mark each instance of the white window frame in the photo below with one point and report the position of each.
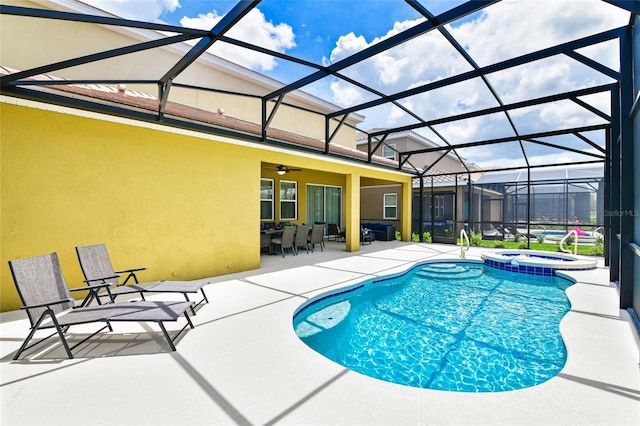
(389, 151)
(386, 205)
(270, 200)
(294, 201)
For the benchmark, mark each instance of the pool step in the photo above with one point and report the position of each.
(449, 270)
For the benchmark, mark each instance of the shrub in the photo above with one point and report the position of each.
(498, 244)
(517, 237)
(540, 239)
(475, 238)
(522, 246)
(598, 250)
(416, 238)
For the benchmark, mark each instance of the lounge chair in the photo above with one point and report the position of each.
(286, 240)
(48, 302)
(513, 231)
(317, 236)
(525, 233)
(302, 238)
(97, 268)
(491, 233)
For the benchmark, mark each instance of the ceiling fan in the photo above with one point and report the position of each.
(283, 170)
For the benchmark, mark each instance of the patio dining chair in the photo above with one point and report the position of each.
(97, 268)
(334, 231)
(302, 238)
(286, 240)
(48, 303)
(317, 237)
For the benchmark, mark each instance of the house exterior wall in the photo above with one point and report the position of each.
(372, 200)
(402, 144)
(165, 201)
(303, 178)
(53, 40)
(183, 204)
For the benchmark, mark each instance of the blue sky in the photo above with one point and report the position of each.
(325, 31)
(316, 24)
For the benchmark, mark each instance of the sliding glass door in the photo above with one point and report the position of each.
(324, 204)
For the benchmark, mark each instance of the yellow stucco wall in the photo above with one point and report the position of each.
(182, 204)
(173, 203)
(303, 178)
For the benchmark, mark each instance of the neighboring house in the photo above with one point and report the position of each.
(233, 87)
(445, 199)
(185, 195)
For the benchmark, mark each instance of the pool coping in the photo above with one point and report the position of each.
(536, 262)
(243, 363)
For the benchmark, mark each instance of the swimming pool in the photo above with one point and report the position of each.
(458, 326)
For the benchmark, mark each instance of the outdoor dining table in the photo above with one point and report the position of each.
(265, 238)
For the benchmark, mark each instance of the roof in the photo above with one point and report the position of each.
(551, 174)
(362, 137)
(146, 102)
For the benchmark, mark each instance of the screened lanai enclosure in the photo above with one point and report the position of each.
(543, 203)
(520, 109)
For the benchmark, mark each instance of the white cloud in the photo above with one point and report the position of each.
(254, 29)
(515, 27)
(504, 30)
(345, 94)
(347, 45)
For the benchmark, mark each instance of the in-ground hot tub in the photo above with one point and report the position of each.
(536, 262)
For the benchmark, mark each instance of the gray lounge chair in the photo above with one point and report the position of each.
(286, 240)
(302, 238)
(48, 303)
(97, 268)
(317, 237)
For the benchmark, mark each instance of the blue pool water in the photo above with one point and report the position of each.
(449, 326)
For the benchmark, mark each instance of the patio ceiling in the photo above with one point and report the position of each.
(515, 114)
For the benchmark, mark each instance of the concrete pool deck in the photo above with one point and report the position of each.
(243, 364)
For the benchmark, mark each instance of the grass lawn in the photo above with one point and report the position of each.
(597, 250)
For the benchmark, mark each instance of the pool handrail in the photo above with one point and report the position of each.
(596, 232)
(463, 237)
(575, 242)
